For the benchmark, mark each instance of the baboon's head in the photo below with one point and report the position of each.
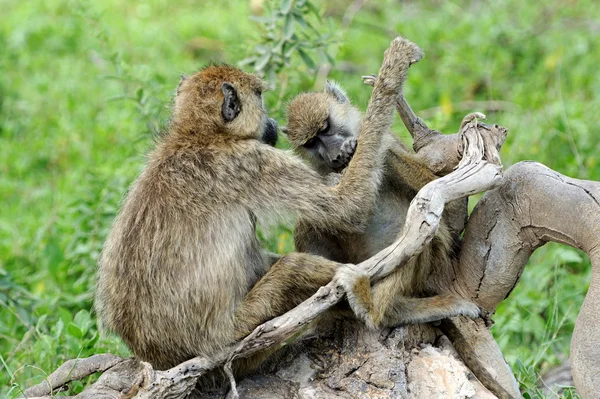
(323, 128)
(223, 100)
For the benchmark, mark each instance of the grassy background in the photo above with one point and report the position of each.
(84, 86)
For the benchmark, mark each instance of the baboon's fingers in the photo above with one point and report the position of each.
(369, 79)
(401, 48)
(399, 56)
(357, 285)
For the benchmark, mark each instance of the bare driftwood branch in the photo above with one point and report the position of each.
(473, 340)
(73, 370)
(478, 170)
(535, 205)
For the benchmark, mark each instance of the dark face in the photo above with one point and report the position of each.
(332, 147)
(323, 128)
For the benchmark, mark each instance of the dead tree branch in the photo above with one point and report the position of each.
(73, 370)
(535, 205)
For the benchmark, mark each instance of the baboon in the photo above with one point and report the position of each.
(182, 273)
(323, 128)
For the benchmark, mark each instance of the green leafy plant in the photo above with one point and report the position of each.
(289, 30)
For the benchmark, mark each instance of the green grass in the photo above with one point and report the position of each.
(84, 86)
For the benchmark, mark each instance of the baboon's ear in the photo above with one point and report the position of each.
(334, 89)
(232, 105)
(183, 78)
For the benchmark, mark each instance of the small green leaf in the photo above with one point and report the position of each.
(286, 6)
(247, 61)
(58, 328)
(312, 8)
(93, 340)
(64, 315)
(568, 255)
(329, 58)
(300, 20)
(262, 49)
(288, 52)
(41, 322)
(288, 27)
(82, 321)
(307, 60)
(262, 62)
(74, 331)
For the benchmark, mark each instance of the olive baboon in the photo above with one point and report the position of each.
(323, 128)
(182, 273)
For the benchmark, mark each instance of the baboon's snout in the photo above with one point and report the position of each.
(270, 135)
(345, 155)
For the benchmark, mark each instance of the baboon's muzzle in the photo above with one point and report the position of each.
(270, 133)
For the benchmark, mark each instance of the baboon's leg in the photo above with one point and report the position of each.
(535, 205)
(402, 310)
(290, 281)
(383, 305)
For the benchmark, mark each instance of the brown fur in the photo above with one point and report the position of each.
(398, 298)
(182, 273)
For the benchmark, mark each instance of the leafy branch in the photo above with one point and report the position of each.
(287, 30)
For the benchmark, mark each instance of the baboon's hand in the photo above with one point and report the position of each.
(369, 80)
(349, 147)
(468, 308)
(357, 285)
(401, 54)
(333, 179)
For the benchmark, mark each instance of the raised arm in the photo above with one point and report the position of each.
(294, 187)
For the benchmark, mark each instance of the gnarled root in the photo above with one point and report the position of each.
(532, 206)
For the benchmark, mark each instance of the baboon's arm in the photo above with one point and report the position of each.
(290, 281)
(289, 184)
(405, 166)
(407, 169)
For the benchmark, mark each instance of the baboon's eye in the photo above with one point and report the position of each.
(258, 92)
(325, 127)
(311, 143)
